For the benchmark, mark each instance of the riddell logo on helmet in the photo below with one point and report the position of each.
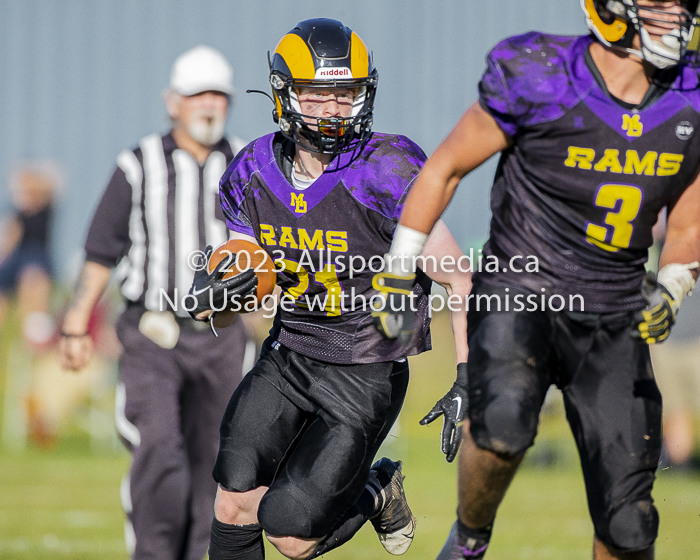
(333, 73)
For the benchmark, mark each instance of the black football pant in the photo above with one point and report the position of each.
(169, 407)
(309, 431)
(612, 403)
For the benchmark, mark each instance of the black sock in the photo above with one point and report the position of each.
(235, 542)
(353, 520)
(465, 543)
(473, 540)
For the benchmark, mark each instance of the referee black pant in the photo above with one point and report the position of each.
(169, 408)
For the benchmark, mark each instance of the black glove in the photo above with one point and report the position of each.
(454, 405)
(397, 318)
(654, 322)
(211, 291)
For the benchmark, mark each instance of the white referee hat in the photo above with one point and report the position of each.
(201, 69)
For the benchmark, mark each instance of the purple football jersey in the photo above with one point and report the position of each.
(322, 236)
(585, 179)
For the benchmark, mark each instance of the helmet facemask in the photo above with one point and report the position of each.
(325, 135)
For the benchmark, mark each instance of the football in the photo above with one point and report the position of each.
(240, 255)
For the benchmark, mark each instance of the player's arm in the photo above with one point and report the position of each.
(474, 139)
(678, 266)
(444, 248)
(75, 347)
(682, 244)
(107, 241)
(453, 406)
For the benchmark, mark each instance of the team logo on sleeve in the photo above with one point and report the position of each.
(684, 130)
(298, 203)
(632, 125)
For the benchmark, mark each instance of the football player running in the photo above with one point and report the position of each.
(299, 437)
(597, 134)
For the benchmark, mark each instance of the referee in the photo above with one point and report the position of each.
(160, 206)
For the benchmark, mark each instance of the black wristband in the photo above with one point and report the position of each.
(73, 335)
(462, 375)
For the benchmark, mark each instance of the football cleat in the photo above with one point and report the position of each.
(452, 550)
(393, 521)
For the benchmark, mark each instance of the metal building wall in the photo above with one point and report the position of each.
(82, 79)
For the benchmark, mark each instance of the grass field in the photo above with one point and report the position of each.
(64, 503)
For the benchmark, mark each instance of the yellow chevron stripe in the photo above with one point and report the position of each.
(359, 59)
(296, 54)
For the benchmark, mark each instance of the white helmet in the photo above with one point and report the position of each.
(201, 69)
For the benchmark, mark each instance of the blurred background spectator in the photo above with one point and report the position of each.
(40, 399)
(25, 262)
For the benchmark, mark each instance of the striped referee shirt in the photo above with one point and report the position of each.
(159, 207)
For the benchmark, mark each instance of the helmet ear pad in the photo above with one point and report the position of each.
(612, 29)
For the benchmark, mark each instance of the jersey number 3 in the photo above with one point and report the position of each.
(624, 202)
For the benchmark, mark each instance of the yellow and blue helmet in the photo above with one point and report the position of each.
(323, 53)
(615, 23)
